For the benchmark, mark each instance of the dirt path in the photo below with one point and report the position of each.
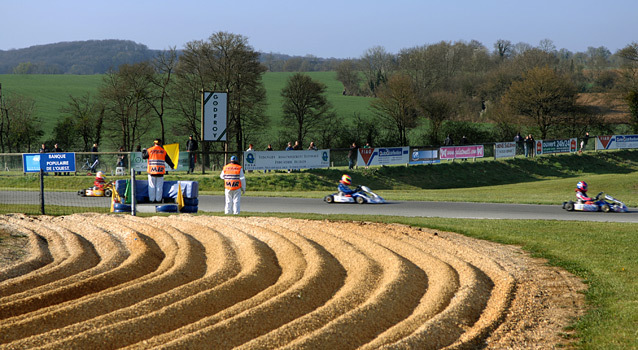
(107, 281)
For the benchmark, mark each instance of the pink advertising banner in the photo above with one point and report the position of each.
(475, 151)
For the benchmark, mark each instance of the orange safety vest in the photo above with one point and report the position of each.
(156, 164)
(231, 176)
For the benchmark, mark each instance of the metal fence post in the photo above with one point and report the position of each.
(42, 191)
(133, 201)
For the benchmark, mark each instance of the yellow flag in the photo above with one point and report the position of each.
(180, 197)
(113, 200)
(173, 152)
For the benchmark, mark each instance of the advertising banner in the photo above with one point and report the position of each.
(617, 142)
(463, 152)
(504, 149)
(556, 146)
(278, 160)
(424, 156)
(383, 156)
(49, 162)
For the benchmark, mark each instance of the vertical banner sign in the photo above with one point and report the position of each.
(214, 116)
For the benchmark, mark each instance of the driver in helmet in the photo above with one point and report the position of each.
(99, 182)
(344, 183)
(581, 192)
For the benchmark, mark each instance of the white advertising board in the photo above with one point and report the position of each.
(504, 149)
(383, 156)
(277, 160)
(617, 142)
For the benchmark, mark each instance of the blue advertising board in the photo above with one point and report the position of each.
(48, 162)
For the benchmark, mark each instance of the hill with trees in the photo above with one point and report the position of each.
(75, 57)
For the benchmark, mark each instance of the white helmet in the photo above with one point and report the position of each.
(100, 175)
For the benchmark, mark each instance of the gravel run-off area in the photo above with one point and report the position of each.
(200, 282)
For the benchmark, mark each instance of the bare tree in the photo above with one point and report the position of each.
(20, 128)
(438, 107)
(125, 94)
(395, 106)
(544, 96)
(377, 66)
(164, 67)
(304, 104)
(225, 62)
(503, 49)
(348, 75)
(86, 115)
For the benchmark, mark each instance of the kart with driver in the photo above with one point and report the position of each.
(602, 202)
(362, 195)
(105, 191)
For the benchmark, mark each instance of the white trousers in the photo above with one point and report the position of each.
(155, 188)
(232, 201)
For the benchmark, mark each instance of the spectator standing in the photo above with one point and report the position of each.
(269, 148)
(157, 161)
(234, 185)
(94, 158)
(519, 142)
(297, 146)
(448, 140)
(583, 142)
(464, 140)
(191, 148)
(44, 149)
(312, 146)
(57, 149)
(250, 149)
(529, 146)
(122, 159)
(352, 155)
(289, 148)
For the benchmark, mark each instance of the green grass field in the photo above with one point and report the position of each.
(51, 93)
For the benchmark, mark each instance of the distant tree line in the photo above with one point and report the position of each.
(419, 95)
(99, 56)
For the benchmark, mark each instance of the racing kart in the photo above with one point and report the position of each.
(605, 205)
(362, 195)
(106, 191)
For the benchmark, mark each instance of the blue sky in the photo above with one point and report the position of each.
(328, 28)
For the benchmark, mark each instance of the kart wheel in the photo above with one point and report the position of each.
(108, 193)
(569, 206)
(328, 199)
(81, 193)
(360, 200)
(605, 208)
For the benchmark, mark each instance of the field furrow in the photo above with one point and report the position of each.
(202, 282)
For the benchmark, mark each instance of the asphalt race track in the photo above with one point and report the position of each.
(411, 208)
(394, 208)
